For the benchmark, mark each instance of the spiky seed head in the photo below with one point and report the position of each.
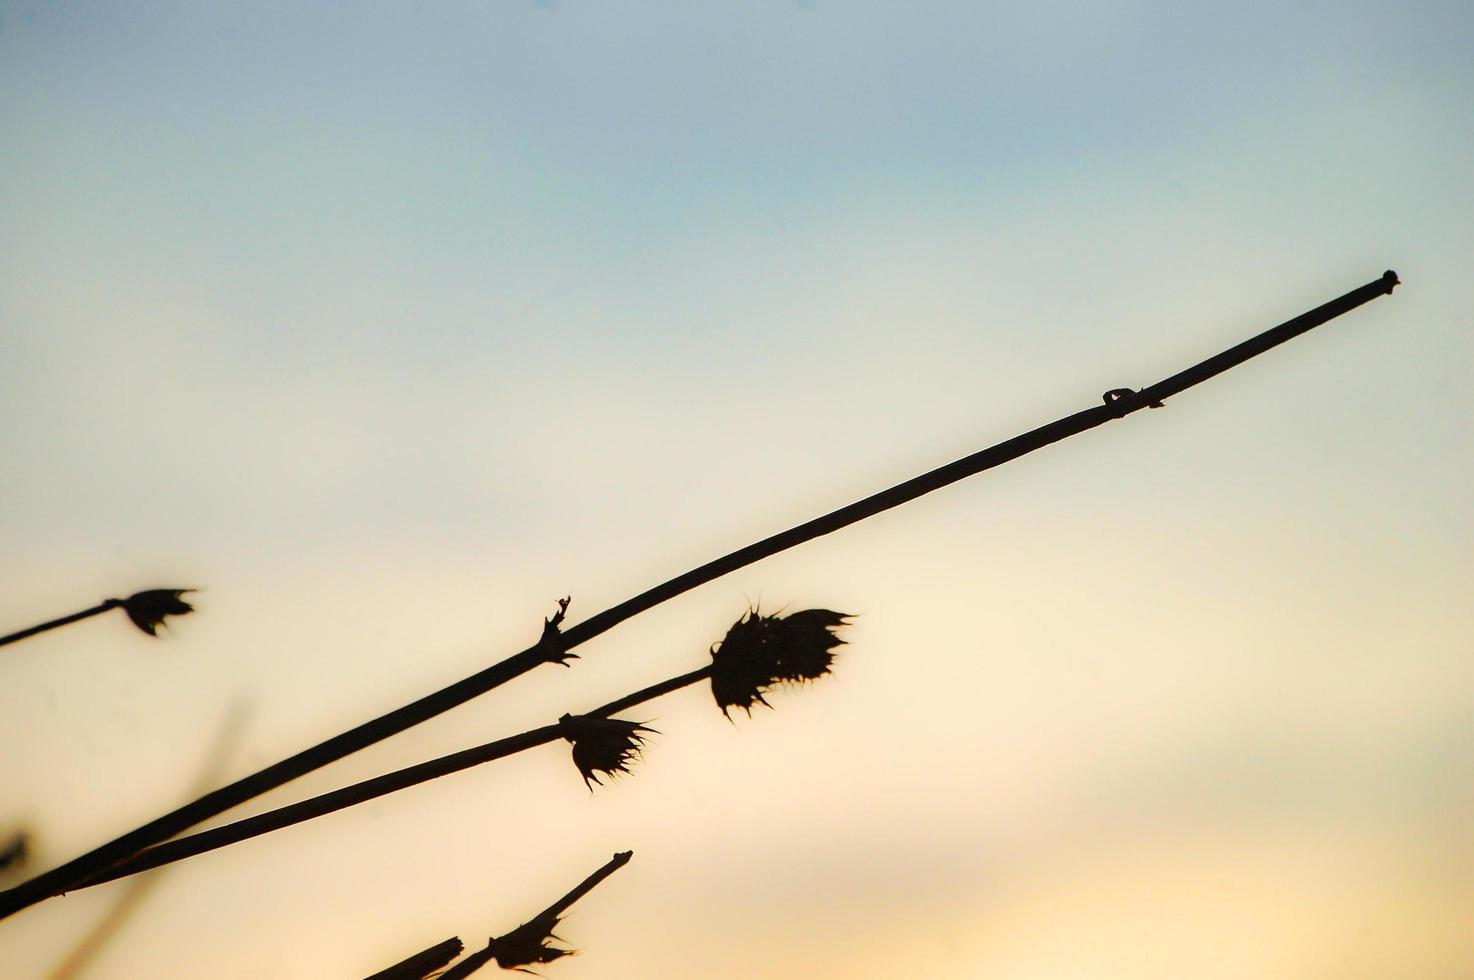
(762, 652)
(603, 745)
(147, 609)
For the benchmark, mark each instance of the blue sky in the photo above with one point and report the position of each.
(391, 325)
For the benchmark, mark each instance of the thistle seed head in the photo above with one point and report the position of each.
(762, 652)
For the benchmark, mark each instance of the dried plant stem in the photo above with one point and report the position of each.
(105, 606)
(370, 789)
(548, 916)
(85, 867)
(654, 691)
(469, 965)
(317, 806)
(418, 966)
(581, 889)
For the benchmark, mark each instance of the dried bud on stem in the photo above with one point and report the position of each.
(602, 745)
(148, 609)
(528, 944)
(551, 644)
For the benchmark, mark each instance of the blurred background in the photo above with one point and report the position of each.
(387, 325)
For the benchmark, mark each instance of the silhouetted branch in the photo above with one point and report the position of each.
(588, 757)
(1116, 406)
(317, 806)
(531, 942)
(527, 944)
(146, 609)
(424, 963)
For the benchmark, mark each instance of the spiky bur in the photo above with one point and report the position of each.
(603, 745)
(424, 964)
(529, 944)
(147, 609)
(551, 643)
(762, 652)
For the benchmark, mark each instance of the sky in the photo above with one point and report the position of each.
(388, 326)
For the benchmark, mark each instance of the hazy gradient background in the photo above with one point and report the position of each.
(390, 324)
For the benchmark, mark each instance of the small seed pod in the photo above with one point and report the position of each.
(602, 745)
(148, 609)
(762, 652)
(528, 944)
(554, 650)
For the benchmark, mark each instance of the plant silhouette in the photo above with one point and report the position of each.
(147, 610)
(527, 945)
(616, 743)
(530, 944)
(555, 644)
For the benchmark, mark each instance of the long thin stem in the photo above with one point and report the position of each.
(654, 691)
(370, 789)
(100, 608)
(317, 806)
(426, 960)
(581, 889)
(60, 879)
